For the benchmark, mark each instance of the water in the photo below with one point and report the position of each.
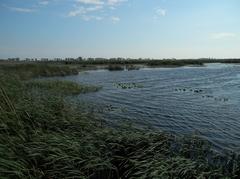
(168, 100)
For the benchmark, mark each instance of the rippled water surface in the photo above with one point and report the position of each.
(186, 100)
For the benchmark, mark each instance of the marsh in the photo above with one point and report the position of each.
(185, 100)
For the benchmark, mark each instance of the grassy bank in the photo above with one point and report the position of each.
(43, 135)
(33, 70)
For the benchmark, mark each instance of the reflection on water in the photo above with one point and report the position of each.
(203, 100)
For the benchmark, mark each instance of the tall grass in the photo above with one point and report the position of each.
(61, 87)
(44, 135)
(33, 70)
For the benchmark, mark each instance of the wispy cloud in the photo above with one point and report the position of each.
(43, 3)
(33, 8)
(94, 2)
(115, 19)
(88, 18)
(223, 35)
(95, 9)
(161, 12)
(75, 12)
(115, 2)
(22, 10)
(83, 10)
(101, 2)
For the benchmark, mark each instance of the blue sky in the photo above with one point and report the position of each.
(120, 28)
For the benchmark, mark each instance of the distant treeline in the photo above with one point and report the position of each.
(126, 61)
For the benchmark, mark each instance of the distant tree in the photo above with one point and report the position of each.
(69, 59)
(90, 59)
(57, 59)
(79, 59)
(44, 59)
(14, 59)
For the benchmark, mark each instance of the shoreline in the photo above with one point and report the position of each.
(64, 68)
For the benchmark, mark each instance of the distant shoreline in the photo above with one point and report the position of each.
(117, 64)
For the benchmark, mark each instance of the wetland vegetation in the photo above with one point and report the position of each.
(69, 66)
(45, 135)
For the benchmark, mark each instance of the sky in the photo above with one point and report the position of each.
(120, 28)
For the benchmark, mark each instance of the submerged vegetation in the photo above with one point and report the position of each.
(44, 135)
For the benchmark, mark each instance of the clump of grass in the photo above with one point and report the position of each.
(62, 87)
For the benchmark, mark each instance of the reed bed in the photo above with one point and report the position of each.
(33, 70)
(61, 87)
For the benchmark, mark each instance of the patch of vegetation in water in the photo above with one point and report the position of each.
(201, 91)
(174, 63)
(189, 90)
(132, 67)
(128, 85)
(115, 67)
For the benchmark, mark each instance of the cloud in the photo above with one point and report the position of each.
(161, 12)
(115, 2)
(83, 10)
(88, 18)
(93, 2)
(115, 19)
(22, 10)
(34, 7)
(101, 2)
(95, 9)
(43, 3)
(223, 35)
(76, 12)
